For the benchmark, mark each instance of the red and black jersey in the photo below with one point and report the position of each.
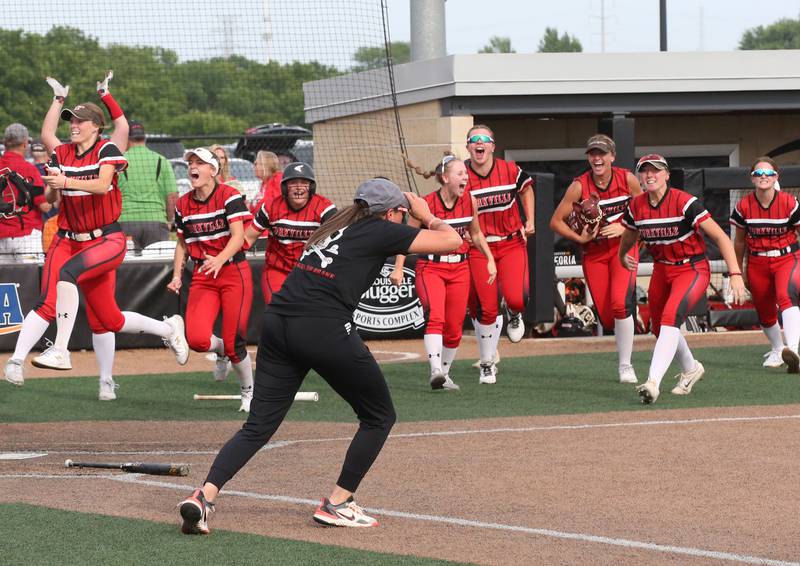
(458, 216)
(670, 228)
(496, 194)
(81, 211)
(204, 225)
(613, 199)
(771, 227)
(289, 230)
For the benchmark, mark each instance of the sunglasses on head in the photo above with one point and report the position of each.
(480, 138)
(402, 211)
(447, 159)
(763, 173)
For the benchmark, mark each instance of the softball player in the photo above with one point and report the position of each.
(669, 221)
(89, 245)
(309, 325)
(766, 222)
(496, 184)
(290, 221)
(442, 281)
(612, 286)
(209, 221)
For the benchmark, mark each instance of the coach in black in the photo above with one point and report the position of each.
(309, 325)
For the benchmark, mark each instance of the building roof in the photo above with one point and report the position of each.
(572, 83)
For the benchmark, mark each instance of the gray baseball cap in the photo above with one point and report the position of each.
(381, 195)
(15, 134)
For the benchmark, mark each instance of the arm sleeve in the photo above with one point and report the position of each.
(261, 218)
(695, 212)
(235, 208)
(394, 238)
(794, 217)
(178, 220)
(328, 213)
(111, 155)
(627, 218)
(737, 219)
(327, 209)
(523, 179)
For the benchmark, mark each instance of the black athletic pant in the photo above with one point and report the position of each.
(291, 346)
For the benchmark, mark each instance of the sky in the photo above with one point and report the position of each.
(630, 25)
(329, 31)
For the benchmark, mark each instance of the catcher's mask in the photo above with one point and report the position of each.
(298, 170)
(16, 194)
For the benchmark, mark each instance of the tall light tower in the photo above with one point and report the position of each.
(602, 26)
(428, 38)
(266, 27)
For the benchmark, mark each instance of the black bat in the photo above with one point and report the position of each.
(136, 467)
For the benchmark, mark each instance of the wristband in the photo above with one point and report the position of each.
(737, 273)
(112, 106)
(59, 99)
(431, 221)
(65, 181)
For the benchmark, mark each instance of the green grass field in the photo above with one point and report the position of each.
(37, 536)
(545, 385)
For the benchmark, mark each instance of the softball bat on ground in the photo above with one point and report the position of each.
(299, 396)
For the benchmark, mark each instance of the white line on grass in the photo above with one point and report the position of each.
(138, 479)
(500, 430)
(398, 356)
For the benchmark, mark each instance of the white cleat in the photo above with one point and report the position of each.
(437, 379)
(515, 328)
(488, 374)
(648, 392)
(14, 373)
(177, 340)
(495, 360)
(247, 397)
(222, 367)
(687, 380)
(108, 389)
(773, 359)
(627, 374)
(449, 384)
(53, 358)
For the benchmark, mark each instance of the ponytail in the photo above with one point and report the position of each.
(345, 217)
(437, 171)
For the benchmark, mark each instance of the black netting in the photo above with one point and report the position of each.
(270, 75)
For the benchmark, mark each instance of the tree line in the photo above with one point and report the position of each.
(218, 95)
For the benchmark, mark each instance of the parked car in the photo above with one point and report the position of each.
(181, 170)
(168, 146)
(303, 150)
(241, 169)
(244, 172)
(276, 137)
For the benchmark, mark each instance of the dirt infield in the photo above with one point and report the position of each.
(655, 488)
(649, 487)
